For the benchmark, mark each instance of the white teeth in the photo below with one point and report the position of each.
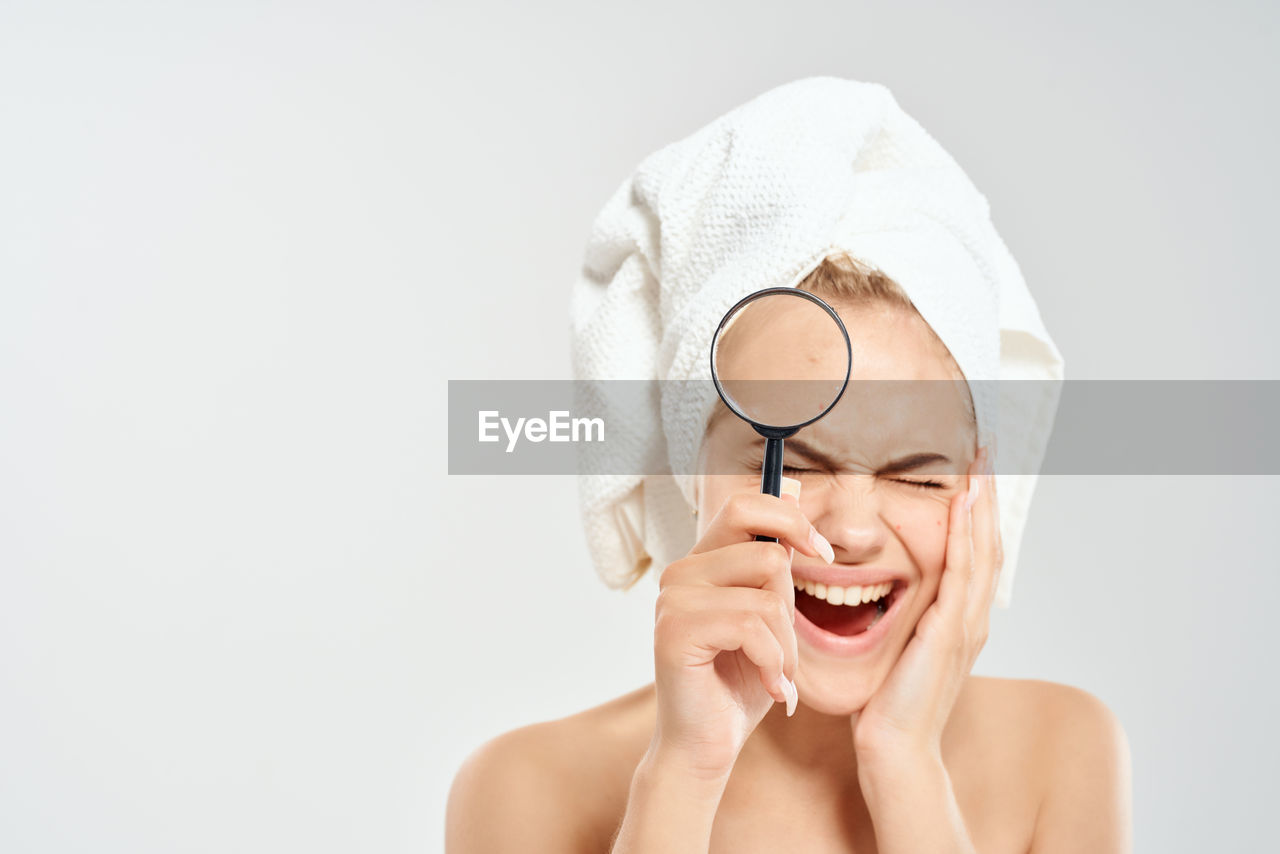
(854, 595)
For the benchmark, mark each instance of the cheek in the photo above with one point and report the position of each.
(921, 526)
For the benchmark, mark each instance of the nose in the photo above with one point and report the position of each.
(849, 516)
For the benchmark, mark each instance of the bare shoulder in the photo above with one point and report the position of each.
(1046, 721)
(558, 785)
(1068, 746)
(1048, 710)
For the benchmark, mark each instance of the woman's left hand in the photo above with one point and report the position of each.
(905, 718)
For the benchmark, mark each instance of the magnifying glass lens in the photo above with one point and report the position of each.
(781, 358)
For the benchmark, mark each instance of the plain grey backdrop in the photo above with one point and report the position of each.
(243, 607)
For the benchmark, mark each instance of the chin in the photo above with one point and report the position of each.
(836, 692)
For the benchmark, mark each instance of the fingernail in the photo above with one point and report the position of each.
(789, 690)
(791, 486)
(820, 545)
(975, 486)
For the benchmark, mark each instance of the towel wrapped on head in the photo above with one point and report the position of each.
(758, 198)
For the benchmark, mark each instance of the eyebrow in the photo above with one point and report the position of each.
(908, 463)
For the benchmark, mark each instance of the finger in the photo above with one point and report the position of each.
(696, 624)
(729, 631)
(768, 605)
(985, 535)
(747, 514)
(995, 525)
(993, 482)
(754, 563)
(954, 586)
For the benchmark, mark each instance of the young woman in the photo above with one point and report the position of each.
(893, 746)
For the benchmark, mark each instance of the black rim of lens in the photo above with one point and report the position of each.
(772, 429)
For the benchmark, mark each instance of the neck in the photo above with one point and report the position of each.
(812, 743)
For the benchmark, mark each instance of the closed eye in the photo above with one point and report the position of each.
(757, 464)
(923, 484)
(798, 470)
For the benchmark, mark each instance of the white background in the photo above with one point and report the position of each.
(245, 246)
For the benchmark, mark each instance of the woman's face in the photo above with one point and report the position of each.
(877, 476)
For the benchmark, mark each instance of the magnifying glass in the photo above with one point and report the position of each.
(780, 360)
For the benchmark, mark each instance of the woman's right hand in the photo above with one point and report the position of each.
(724, 632)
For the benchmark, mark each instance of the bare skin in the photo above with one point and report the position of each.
(894, 746)
(1036, 767)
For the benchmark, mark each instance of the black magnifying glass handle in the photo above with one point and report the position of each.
(771, 476)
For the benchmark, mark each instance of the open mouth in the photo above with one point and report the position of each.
(844, 611)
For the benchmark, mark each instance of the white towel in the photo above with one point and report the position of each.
(757, 199)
